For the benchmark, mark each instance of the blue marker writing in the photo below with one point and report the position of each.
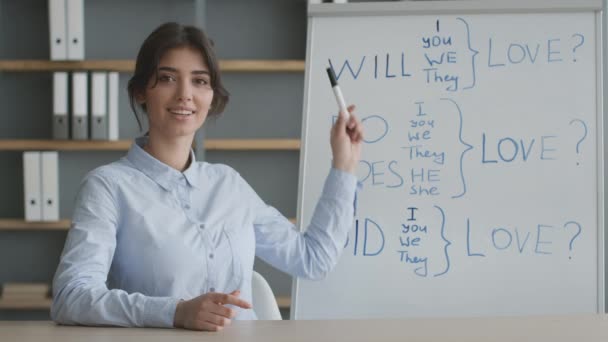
(337, 92)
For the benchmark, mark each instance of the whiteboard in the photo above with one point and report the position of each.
(482, 167)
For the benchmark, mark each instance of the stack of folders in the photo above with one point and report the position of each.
(41, 185)
(71, 119)
(66, 28)
(25, 291)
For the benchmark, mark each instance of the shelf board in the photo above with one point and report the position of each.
(64, 224)
(25, 304)
(262, 65)
(20, 224)
(28, 65)
(284, 302)
(128, 65)
(123, 145)
(63, 145)
(252, 144)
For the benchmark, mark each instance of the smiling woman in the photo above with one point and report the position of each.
(161, 240)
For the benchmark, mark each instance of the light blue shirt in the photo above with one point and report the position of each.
(145, 235)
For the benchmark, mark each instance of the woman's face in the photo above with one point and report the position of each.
(178, 103)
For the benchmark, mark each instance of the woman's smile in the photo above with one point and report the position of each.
(181, 113)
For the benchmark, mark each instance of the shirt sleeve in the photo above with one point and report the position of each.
(80, 292)
(313, 253)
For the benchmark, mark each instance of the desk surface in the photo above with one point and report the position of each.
(583, 328)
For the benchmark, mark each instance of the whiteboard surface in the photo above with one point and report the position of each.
(481, 174)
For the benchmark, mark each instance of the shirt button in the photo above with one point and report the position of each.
(186, 206)
(202, 226)
(212, 289)
(210, 255)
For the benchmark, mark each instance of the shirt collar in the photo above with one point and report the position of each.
(164, 175)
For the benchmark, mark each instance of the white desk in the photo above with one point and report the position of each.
(584, 328)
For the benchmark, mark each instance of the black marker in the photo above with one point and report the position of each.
(337, 92)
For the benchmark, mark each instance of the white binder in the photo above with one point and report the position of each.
(50, 186)
(75, 29)
(99, 107)
(80, 100)
(113, 81)
(32, 187)
(57, 29)
(60, 105)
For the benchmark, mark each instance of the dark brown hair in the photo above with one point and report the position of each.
(164, 38)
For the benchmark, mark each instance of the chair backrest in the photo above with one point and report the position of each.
(264, 303)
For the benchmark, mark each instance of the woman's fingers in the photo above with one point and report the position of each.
(352, 119)
(343, 122)
(209, 321)
(223, 311)
(214, 319)
(359, 131)
(355, 131)
(207, 326)
(225, 298)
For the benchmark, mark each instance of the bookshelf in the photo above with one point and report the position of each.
(24, 65)
(255, 64)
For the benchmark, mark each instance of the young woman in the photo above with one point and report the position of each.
(161, 240)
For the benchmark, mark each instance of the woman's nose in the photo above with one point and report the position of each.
(184, 92)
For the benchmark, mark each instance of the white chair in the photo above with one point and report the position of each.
(264, 303)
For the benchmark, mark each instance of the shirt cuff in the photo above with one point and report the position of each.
(340, 185)
(159, 312)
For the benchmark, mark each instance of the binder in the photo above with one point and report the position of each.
(32, 187)
(99, 107)
(50, 186)
(75, 29)
(113, 81)
(60, 105)
(57, 29)
(80, 102)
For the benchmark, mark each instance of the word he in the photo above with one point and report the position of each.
(375, 174)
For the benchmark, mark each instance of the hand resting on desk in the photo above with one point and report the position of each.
(207, 312)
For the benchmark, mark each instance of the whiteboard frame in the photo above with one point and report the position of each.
(477, 7)
(600, 77)
(452, 7)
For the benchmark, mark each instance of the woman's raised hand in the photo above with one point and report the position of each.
(346, 139)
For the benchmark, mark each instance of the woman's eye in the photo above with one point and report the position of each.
(166, 78)
(201, 81)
